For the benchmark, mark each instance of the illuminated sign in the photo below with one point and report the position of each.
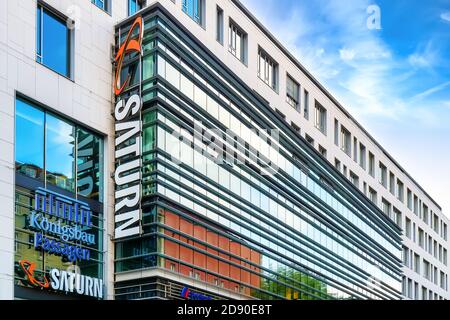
(64, 281)
(29, 269)
(39, 222)
(128, 174)
(128, 130)
(58, 248)
(64, 218)
(71, 282)
(130, 45)
(190, 295)
(62, 207)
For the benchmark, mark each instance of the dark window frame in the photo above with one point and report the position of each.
(40, 56)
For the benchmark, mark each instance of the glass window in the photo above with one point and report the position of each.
(219, 26)
(47, 144)
(89, 165)
(134, 6)
(323, 151)
(408, 227)
(193, 8)
(102, 4)
(52, 41)
(346, 142)
(409, 199)
(383, 175)
(29, 140)
(400, 190)
(371, 164)
(237, 42)
(373, 196)
(336, 132)
(392, 183)
(362, 156)
(386, 207)
(59, 150)
(321, 118)
(354, 179)
(292, 92)
(267, 69)
(306, 104)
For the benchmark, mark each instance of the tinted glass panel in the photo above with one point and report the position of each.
(55, 45)
(60, 153)
(133, 7)
(100, 3)
(89, 165)
(38, 34)
(29, 140)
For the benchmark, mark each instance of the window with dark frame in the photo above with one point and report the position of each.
(105, 5)
(267, 69)
(237, 44)
(53, 40)
(292, 92)
(219, 25)
(320, 118)
(194, 9)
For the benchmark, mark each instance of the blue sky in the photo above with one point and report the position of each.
(395, 80)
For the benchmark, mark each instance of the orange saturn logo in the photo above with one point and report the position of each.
(29, 268)
(130, 45)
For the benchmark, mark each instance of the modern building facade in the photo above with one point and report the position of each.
(175, 150)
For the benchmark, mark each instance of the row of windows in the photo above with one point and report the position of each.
(423, 267)
(425, 241)
(54, 39)
(133, 5)
(413, 292)
(268, 72)
(167, 71)
(211, 106)
(395, 186)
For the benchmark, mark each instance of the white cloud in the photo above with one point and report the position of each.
(430, 91)
(425, 56)
(445, 16)
(347, 54)
(320, 52)
(374, 84)
(372, 81)
(417, 60)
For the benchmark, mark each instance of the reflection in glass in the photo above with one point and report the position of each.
(53, 42)
(60, 162)
(89, 165)
(29, 140)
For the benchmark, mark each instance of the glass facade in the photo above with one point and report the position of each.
(234, 198)
(58, 164)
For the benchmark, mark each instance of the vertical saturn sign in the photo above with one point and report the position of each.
(128, 133)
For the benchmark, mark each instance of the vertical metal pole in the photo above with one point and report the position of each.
(141, 66)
